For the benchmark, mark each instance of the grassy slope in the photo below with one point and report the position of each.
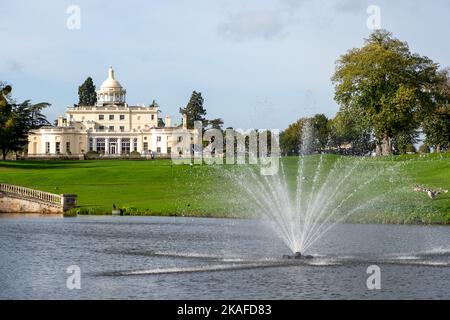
(160, 188)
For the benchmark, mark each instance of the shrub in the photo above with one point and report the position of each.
(92, 155)
(128, 211)
(70, 213)
(410, 148)
(135, 155)
(424, 148)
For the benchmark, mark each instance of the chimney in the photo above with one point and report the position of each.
(167, 121)
(184, 121)
(61, 121)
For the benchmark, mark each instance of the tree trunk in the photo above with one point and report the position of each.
(386, 146)
(4, 152)
(438, 148)
(378, 151)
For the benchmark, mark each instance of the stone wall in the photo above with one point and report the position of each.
(12, 204)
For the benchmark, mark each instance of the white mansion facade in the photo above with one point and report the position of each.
(111, 128)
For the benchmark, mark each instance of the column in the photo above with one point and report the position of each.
(94, 144)
(106, 145)
(119, 146)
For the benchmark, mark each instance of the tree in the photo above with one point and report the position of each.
(387, 86)
(403, 142)
(16, 121)
(86, 93)
(194, 110)
(437, 129)
(321, 126)
(216, 123)
(436, 125)
(349, 135)
(291, 139)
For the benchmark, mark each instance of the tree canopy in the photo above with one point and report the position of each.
(291, 139)
(87, 95)
(194, 110)
(436, 125)
(388, 87)
(17, 120)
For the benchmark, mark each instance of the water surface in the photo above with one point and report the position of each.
(194, 258)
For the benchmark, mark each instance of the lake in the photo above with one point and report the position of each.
(195, 258)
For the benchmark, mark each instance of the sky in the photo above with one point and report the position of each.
(258, 63)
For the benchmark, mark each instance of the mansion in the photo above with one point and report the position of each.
(111, 128)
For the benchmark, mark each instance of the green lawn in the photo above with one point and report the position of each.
(160, 188)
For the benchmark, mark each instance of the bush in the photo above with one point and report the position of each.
(135, 155)
(410, 148)
(92, 155)
(129, 211)
(70, 213)
(424, 148)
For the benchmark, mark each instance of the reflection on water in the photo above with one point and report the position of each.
(191, 258)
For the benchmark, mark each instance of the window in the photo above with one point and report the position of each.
(135, 144)
(169, 150)
(101, 128)
(68, 147)
(158, 138)
(145, 146)
(180, 138)
(47, 147)
(122, 128)
(101, 117)
(125, 146)
(122, 117)
(111, 117)
(111, 128)
(58, 147)
(158, 149)
(91, 144)
(153, 117)
(101, 145)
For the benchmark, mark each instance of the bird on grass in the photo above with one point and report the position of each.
(432, 194)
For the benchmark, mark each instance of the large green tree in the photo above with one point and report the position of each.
(387, 86)
(194, 110)
(436, 125)
(87, 95)
(17, 120)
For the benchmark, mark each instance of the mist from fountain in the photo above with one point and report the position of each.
(324, 190)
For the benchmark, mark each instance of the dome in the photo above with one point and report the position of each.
(111, 92)
(111, 82)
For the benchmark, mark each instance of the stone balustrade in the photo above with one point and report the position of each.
(62, 201)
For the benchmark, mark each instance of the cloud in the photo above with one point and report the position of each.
(252, 25)
(12, 65)
(275, 22)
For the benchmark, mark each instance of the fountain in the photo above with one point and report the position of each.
(297, 256)
(305, 204)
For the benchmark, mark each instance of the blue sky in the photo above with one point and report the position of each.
(259, 64)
